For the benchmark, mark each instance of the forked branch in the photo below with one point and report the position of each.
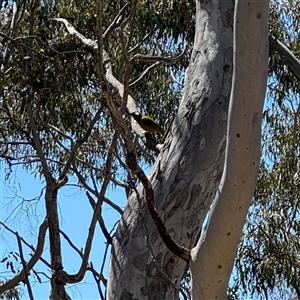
(32, 261)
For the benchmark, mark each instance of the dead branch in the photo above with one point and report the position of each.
(142, 41)
(295, 127)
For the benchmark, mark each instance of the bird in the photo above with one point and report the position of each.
(147, 123)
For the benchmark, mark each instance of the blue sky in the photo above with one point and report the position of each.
(75, 215)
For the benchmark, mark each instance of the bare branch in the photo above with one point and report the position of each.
(97, 212)
(292, 62)
(89, 42)
(142, 41)
(147, 239)
(62, 134)
(98, 285)
(100, 220)
(127, 69)
(23, 45)
(36, 140)
(26, 273)
(106, 200)
(100, 40)
(145, 72)
(70, 243)
(161, 59)
(295, 127)
(80, 142)
(178, 250)
(175, 80)
(116, 22)
(32, 261)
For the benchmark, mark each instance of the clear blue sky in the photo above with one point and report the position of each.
(75, 215)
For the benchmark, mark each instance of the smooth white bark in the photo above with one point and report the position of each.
(213, 257)
(186, 174)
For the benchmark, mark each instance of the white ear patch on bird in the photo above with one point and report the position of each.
(147, 123)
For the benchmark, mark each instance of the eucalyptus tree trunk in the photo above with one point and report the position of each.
(187, 173)
(213, 257)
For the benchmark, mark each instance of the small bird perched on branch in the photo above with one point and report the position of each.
(147, 123)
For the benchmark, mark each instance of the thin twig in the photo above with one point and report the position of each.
(98, 283)
(100, 220)
(295, 127)
(26, 273)
(70, 242)
(103, 260)
(142, 41)
(9, 284)
(36, 139)
(105, 199)
(80, 142)
(115, 23)
(97, 212)
(23, 45)
(175, 80)
(142, 75)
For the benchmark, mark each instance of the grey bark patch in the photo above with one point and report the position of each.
(127, 296)
(140, 261)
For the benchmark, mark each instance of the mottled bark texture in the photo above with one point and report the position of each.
(213, 257)
(58, 291)
(187, 172)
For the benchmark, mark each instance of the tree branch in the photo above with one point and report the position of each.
(89, 42)
(178, 250)
(131, 159)
(32, 261)
(106, 200)
(115, 23)
(80, 142)
(36, 140)
(97, 212)
(161, 59)
(289, 58)
(142, 41)
(142, 75)
(26, 273)
(100, 220)
(100, 39)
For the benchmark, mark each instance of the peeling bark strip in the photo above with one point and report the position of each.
(213, 257)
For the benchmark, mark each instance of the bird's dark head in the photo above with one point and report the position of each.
(136, 115)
